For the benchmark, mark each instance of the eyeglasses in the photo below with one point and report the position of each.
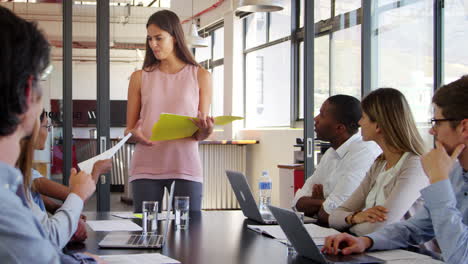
(434, 122)
(48, 70)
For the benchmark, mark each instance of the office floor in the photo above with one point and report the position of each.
(116, 204)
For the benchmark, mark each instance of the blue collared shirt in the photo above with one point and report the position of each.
(444, 216)
(22, 239)
(60, 226)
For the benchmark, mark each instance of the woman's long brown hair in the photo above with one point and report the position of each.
(389, 108)
(169, 22)
(25, 160)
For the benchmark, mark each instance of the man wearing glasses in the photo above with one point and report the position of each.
(445, 213)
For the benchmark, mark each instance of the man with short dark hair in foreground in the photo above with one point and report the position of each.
(24, 56)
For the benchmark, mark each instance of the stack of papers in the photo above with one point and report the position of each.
(403, 256)
(113, 225)
(131, 215)
(317, 233)
(415, 261)
(170, 126)
(154, 258)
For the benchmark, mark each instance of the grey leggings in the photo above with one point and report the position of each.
(153, 190)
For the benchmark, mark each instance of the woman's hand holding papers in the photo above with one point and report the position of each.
(205, 126)
(137, 135)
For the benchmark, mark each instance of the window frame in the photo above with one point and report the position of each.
(210, 63)
(363, 16)
(294, 64)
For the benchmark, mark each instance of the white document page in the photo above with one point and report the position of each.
(113, 225)
(317, 233)
(131, 215)
(397, 254)
(415, 261)
(154, 258)
(87, 165)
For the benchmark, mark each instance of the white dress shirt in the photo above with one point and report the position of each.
(341, 171)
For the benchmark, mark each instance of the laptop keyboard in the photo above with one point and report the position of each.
(141, 240)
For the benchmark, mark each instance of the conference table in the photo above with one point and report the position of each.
(212, 237)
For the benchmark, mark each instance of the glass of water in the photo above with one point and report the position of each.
(181, 207)
(150, 217)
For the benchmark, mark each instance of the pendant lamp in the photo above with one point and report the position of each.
(259, 5)
(194, 40)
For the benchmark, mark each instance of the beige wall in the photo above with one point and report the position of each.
(276, 147)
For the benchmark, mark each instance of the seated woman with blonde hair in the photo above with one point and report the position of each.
(65, 222)
(393, 182)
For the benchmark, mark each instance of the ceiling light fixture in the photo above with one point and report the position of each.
(193, 39)
(260, 5)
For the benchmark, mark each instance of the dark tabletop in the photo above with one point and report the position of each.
(212, 237)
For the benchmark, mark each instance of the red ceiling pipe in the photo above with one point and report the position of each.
(215, 5)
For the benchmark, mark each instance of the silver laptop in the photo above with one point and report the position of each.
(139, 240)
(246, 200)
(304, 244)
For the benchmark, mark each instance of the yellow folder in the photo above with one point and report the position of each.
(172, 126)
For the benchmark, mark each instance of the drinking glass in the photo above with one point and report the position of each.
(150, 217)
(181, 207)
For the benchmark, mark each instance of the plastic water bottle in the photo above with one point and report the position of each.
(264, 186)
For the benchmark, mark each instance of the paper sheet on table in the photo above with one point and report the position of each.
(113, 225)
(153, 258)
(317, 233)
(87, 165)
(170, 126)
(414, 261)
(397, 254)
(131, 215)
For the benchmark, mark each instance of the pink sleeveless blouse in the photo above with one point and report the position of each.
(171, 159)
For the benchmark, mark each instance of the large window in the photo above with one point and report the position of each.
(346, 61)
(345, 6)
(280, 23)
(404, 61)
(268, 85)
(255, 30)
(455, 40)
(337, 54)
(268, 68)
(212, 59)
(402, 54)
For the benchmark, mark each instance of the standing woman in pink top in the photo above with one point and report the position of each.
(171, 81)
